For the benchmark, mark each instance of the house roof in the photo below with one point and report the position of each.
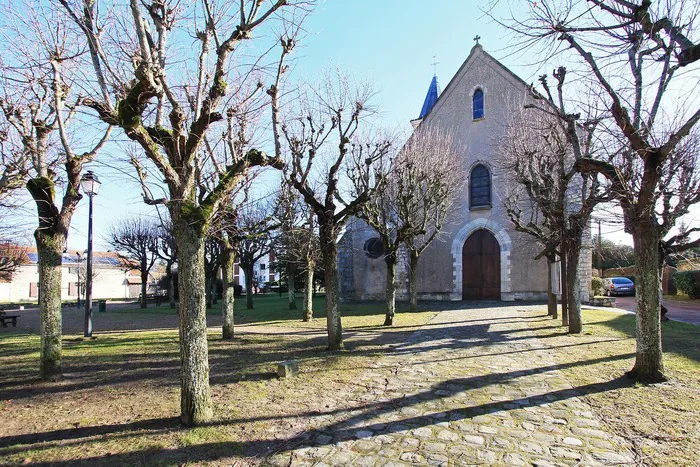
(430, 98)
(70, 257)
(477, 49)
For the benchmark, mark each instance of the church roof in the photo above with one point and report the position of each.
(430, 98)
(476, 50)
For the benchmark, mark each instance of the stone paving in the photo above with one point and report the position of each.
(473, 387)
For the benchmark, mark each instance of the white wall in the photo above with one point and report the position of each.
(108, 282)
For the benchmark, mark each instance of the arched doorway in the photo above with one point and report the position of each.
(481, 267)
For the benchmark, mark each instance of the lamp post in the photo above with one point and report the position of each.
(91, 185)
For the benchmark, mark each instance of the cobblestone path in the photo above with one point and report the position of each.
(474, 386)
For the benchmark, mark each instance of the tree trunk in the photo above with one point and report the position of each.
(144, 288)
(291, 285)
(329, 251)
(248, 271)
(413, 280)
(573, 285)
(50, 250)
(664, 310)
(390, 294)
(171, 285)
(648, 366)
(309, 291)
(195, 395)
(227, 301)
(551, 296)
(214, 287)
(564, 288)
(207, 288)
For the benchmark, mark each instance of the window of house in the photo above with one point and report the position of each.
(480, 187)
(262, 266)
(478, 104)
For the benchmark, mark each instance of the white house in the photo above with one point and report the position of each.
(111, 278)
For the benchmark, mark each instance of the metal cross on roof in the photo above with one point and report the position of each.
(435, 64)
(477, 39)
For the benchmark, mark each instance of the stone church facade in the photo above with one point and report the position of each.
(479, 255)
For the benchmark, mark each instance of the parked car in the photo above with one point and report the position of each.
(618, 286)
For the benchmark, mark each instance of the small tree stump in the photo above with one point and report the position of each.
(287, 369)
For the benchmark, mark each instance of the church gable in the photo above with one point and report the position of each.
(482, 92)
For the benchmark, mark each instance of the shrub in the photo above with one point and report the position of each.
(688, 282)
(597, 285)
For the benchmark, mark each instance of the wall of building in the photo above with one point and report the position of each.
(107, 283)
(440, 266)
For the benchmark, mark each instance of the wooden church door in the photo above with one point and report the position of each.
(481, 267)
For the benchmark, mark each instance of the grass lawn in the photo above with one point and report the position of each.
(273, 310)
(680, 297)
(119, 400)
(663, 420)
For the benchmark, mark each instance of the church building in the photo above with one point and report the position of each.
(479, 255)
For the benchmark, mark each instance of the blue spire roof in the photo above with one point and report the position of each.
(430, 98)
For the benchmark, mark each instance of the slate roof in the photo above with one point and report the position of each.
(430, 98)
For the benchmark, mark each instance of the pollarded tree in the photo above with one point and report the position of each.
(320, 136)
(41, 65)
(411, 204)
(285, 241)
(136, 240)
(296, 245)
(12, 256)
(544, 141)
(635, 54)
(170, 96)
(254, 224)
(428, 177)
(167, 252)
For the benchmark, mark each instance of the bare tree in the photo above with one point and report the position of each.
(544, 142)
(631, 52)
(155, 77)
(254, 224)
(321, 139)
(167, 252)
(12, 256)
(296, 245)
(429, 177)
(412, 202)
(212, 263)
(136, 240)
(40, 67)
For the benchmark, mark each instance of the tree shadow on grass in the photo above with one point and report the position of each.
(344, 429)
(677, 337)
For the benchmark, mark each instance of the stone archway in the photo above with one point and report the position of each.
(481, 267)
(505, 246)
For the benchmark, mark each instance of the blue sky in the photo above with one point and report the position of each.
(390, 43)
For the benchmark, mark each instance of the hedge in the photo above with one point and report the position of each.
(688, 282)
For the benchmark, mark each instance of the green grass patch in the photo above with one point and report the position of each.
(270, 309)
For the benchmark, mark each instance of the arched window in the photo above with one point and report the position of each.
(478, 104)
(480, 187)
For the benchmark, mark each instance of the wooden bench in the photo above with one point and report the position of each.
(5, 318)
(152, 297)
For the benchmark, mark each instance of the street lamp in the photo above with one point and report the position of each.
(91, 185)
